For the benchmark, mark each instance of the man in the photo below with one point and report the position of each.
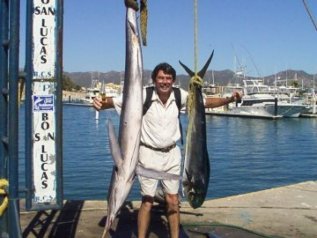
(158, 150)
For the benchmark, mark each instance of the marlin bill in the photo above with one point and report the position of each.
(196, 169)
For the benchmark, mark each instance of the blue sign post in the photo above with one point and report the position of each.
(44, 104)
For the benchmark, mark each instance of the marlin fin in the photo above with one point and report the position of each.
(202, 72)
(114, 145)
(151, 173)
(188, 70)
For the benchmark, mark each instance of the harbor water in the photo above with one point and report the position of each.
(246, 155)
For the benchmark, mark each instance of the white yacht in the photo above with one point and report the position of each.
(110, 90)
(259, 100)
(91, 93)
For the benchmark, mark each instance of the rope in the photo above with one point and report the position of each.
(143, 15)
(3, 184)
(195, 37)
(143, 21)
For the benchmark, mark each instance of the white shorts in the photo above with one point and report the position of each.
(169, 162)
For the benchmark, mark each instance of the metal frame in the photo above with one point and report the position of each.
(9, 119)
(4, 153)
(13, 117)
(9, 76)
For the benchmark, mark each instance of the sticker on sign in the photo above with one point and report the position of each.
(43, 103)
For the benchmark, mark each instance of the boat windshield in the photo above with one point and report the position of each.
(256, 87)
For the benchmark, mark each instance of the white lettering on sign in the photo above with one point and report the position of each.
(44, 149)
(44, 39)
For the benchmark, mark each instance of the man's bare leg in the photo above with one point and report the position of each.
(144, 216)
(173, 214)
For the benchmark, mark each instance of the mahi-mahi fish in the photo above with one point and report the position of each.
(125, 154)
(196, 170)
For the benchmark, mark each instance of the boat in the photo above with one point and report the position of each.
(214, 91)
(261, 101)
(97, 89)
(109, 90)
(275, 101)
(309, 97)
(91, 93)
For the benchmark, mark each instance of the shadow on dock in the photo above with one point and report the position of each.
(73, 220)
(54, 223)
(287, 211)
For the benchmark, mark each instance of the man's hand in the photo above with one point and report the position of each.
(97, 103)
(101, 103)
(236, 97)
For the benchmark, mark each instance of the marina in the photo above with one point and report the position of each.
(86, 96)
(278, 156)
(270, 153)
(61, 160)
(263, 101)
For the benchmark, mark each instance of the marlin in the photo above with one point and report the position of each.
(125, 150)
(196, 169)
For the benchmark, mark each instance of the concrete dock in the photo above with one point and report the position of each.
(289, 211)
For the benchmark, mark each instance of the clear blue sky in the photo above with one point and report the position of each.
(265, 35)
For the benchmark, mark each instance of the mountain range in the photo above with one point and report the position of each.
(222, 77)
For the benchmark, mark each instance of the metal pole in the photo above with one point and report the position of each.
(3, 82)
(28, 103)
(4, 21)
(14, 223)
(59, 104)
(275, 106)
